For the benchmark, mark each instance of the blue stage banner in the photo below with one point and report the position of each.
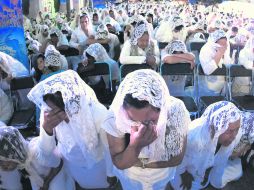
(12, 40)
(99, 3)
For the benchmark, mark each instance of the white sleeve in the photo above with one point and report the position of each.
(245, 60)
(74, 40)
(164, 54)
(156, 53)
(109, 126)
(126, 58)
(207, 62)
(44, 148)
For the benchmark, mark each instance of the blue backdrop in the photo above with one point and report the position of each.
(12, 40)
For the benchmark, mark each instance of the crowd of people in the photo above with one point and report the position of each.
(146, 139)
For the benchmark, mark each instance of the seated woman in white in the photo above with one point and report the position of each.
(140, 48)
(176, 52)
(242, 85)
(156, 123)
(233, 171)
(211, 140)
(212, 55)
(45, 171)
(71, 113)
(96, 53)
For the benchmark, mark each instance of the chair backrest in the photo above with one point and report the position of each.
(218, 72)
(239, 71)
(20, 87)
(22, 83)
(99, 69)
(176, 69)
(126, 69)
(196, 46)
(162, 45)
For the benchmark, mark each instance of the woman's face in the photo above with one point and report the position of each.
(145, 115)
(229, 135)
(8, 165)
(40, 63)
(143, 41)
(84, 21)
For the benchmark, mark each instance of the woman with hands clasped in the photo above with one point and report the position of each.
(157, 125)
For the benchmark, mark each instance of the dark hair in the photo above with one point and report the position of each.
(178, 28)
(55, 98)
(234, 29)
(83, 15)
(221, 38)
(38, 73)
(53, 35)
(177, 52)
(95, 14)
(129, 101)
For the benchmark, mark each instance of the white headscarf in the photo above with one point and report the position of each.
(13, 147)
(216, 35)
(52, 57)
(138, 32)
(98, 52)
(247, 125)
(176, 45)
(78, 98)
(147, 85)
(102, 32)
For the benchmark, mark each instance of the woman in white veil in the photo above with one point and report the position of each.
(211, 140)
(157, 125)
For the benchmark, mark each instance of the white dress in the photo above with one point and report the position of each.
(74, 160)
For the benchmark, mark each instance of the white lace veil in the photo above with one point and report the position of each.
(247, 126)
(218, 115)
(139, 30)
(98, 52)
(147, 85)
(13, 147)
(202, 142)
(78, 98)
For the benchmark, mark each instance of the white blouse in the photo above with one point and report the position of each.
(126, 58)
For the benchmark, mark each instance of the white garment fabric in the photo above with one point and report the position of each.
(6, 107)
(12, 66)
(241, 85)
(146, 84)
(201, 146)
(80, 142)
(78, 37)
(127, 58)
(10, 180)
(28, 157)
(210, 85)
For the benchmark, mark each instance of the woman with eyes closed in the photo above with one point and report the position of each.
(156, 124)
